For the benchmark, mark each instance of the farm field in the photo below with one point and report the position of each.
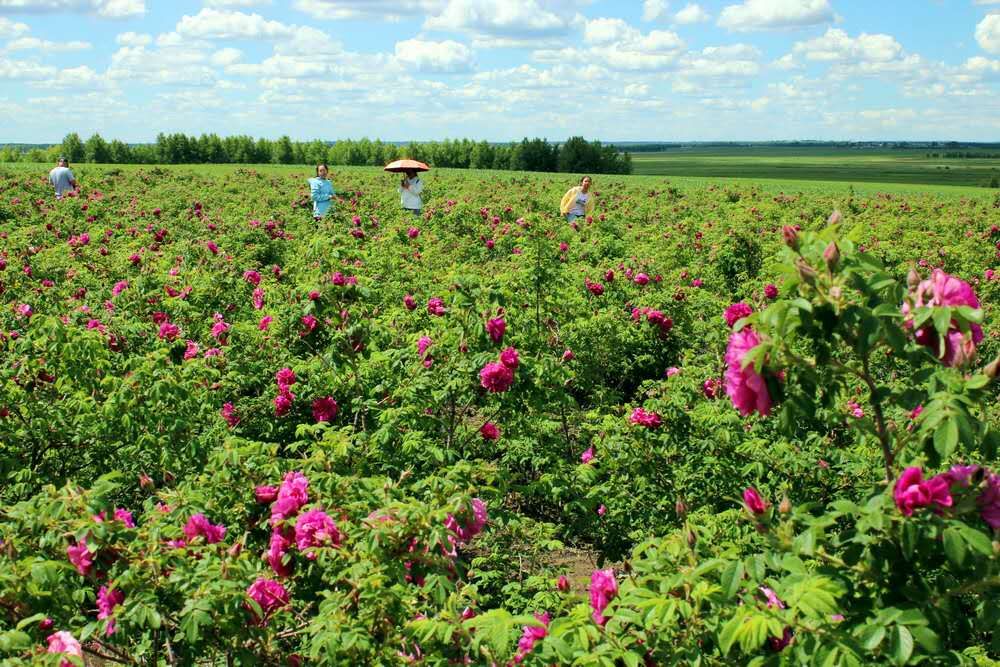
(912, 166)
(722, 421)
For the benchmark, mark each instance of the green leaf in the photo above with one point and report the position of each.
(927, 639)
(871, 636)
(732, 578)
(954, 546)
(900, 644)
(942, 320)
(977, 540)
(946, 438)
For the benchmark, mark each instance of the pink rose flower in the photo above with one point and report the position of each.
(65, 643)
(292, 495)
(509, 358)
(199, 526)
(771, 291)
(735, 312)
(435, 306)
(588, 455)
(647, 419)
(229, 414)
(603, 589)
(107, 600)
(489, 431)
(745, 386)
(324, 409)
(942, 289)
(496, 328)
(269, 595)
(265, 495)
(315, 528)
(530, 635)
(496, 377)
(912, 492)
(753, 501)
(81, 558)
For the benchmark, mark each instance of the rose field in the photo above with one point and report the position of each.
(717, 423)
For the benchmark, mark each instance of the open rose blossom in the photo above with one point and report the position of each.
(198, 525)
(66, 644)
(269, 595)
(107, 600)
(496, 377)
(647, 419)
(745, 386)
(324, 409)
(913, 492)
(736, 312)
(530, 634)
(496, 329)
(315, 528)
(292, 495)
(509, 358)
(489, 431)
(603, 589)
(81, 558)
(942, 289)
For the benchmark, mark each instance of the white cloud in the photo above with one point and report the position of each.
(837, 45)
(22, 69)
(112, 9)
(692, 13)
(44, 45)
(168, 65)
(224, 57)
(81, 77)
(734, 60)
(653, 10)
(392, 10)
(986, 2)
(442, 57)
(786, 62)
(222, 24)
(511, 18)
(988, 33)
(774, 14)
(133, 39)
(10, 29)
(224, 4)
(606, 31)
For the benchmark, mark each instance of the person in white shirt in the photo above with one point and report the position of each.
(409, 193)
(62, 178)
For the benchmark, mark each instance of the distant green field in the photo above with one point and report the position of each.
(911, 166)
(790, 181)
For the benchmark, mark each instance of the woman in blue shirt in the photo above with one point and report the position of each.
(322, 192)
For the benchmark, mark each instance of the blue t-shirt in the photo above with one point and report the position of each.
(322, 193)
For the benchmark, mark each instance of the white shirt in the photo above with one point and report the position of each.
(60, 178)
(410, 197)
(580, 203)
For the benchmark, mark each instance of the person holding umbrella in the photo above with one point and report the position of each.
(321, 190)
(411, 186)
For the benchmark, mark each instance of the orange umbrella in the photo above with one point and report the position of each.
(400, 166)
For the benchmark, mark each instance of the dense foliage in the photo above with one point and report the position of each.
(706, 426)
(574, 155)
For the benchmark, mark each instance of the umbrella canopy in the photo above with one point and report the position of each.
(400, 166)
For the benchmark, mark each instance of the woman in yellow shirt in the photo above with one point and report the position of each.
(578, 201)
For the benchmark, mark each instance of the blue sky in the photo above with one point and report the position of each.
(502, 69)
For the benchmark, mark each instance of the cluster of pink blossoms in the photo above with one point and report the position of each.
(498, 376)
(283, 401)
(530, 635)
(647, 419)
(603, 589)
(912, 492)
(736, 312)
(312, 529)
(654, 317)
(943, 290)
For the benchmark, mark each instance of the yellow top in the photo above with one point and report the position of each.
(570, 197)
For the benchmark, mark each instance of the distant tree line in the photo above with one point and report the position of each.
(576, 154)
(967, 155)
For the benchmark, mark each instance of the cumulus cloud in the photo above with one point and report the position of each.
(653, 10)
(225, 4)
(24, 70)
(10, 29)
(441, 57)
(392, 10)
(81, 77)
(734, 60)
(112, 9)
(227, 25)
(224, 57)
(510, 19)
(44, 46)
(692, 13)
(988, 33)
(133, 39)
(837, 45)
(774, 14)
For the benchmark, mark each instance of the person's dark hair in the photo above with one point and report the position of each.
(321, 164)
(62, 160)
(583, 178)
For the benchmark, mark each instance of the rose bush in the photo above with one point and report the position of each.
(233, 433)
